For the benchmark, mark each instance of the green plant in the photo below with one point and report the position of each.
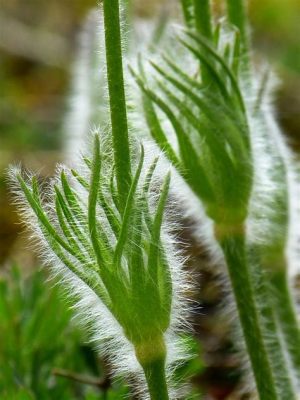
(228, 145)
(104, 227)
(104, 232)
(34, 324)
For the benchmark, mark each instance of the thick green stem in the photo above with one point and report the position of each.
(275, 346)
(237, 16)
(274, 262)
(203, 21)
(117, 99)
(203, 25)
(152, 357)
(285, 310)
(234, 249)
(156, 379)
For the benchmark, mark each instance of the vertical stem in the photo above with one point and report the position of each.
(234, 249)
(274, 262)
(152, 357)
(203, 22)
(117, 99)
(285, 310)
(237, 16)
(203, 25)
(275, 346)
(156, 379)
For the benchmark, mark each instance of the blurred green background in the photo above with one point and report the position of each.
(38, 42)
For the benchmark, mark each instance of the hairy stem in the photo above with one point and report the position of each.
(237, 16)
(152, 357)
(285, 310)
(203, 25)
(276, 264)
(273, 260)
(234, 249)
(156, 379)
(203, 22)
(117, 99)
(275, 347)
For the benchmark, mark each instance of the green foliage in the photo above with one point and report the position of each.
(112, 242)
(213, 119)
(118, 255)
(34, 325)
(212, 144)
(83, 244)
(102, 226)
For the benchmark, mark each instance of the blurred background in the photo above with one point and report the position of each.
(38, 43)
